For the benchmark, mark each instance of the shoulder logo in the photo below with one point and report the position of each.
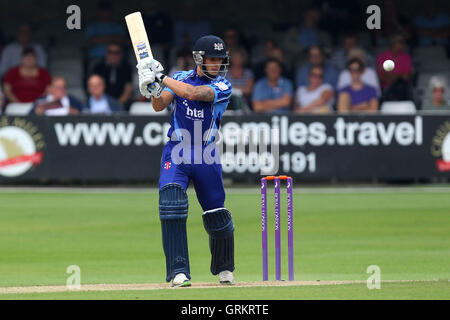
(222, 86)
(218, 46)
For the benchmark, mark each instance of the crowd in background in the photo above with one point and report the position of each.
(268, 75)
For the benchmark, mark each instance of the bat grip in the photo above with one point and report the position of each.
(151, 86)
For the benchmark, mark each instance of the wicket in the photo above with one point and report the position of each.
(290, 226)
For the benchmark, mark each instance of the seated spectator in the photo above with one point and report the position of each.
(239, 76)
(13, 52)
(341, 56)
(309, 32)
(317, 97)
(438, 97)
(235, 39)
(271, 51)
(117, 74)
(369, 75)
(316, 58)
(273, 93)
(262, 51)
(433, 27)
(26, 82)
(99, 102)
(57, 102)
(358, 96)
(395, 84)
(104, 31)
(184, 62)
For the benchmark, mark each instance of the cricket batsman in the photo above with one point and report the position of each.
(200, 97)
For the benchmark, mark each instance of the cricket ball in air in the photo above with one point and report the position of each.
(388, 65)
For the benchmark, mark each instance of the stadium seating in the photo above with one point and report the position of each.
(18, 109)
(398, 107)
(145, 108)
(431, 59)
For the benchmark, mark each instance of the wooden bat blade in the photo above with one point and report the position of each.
(138, 36)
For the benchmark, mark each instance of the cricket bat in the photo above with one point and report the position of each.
(138, 36)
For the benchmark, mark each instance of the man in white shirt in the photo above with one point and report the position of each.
(99, 102)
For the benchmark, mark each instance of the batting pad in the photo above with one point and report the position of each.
(219, 225)
(173, 212)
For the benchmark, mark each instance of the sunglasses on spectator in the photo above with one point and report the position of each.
(355, 70)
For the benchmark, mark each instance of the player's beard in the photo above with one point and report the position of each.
(222, 71)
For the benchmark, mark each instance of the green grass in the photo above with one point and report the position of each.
(419, 290)
(116, 238)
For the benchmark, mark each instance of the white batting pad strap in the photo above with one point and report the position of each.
(214, 210)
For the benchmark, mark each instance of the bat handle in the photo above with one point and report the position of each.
(151, 86)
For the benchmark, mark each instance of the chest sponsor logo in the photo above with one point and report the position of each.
(195, 114)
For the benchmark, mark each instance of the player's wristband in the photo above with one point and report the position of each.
(160, 77)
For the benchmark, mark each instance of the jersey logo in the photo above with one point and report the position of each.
(218, 46)
(195, 114)
(222, 86)
(167, 165)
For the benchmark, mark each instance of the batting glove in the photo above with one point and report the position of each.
(146, 77)
(158, 69)
(155, 89)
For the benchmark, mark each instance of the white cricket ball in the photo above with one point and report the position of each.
(388, 65)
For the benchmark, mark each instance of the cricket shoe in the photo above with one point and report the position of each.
(181, 280)
(226, 277)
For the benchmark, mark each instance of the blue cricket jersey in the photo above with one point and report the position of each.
(186, 112)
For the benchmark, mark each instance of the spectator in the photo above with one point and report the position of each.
(317, 97)
(177, 51)
(184, 62)
(271, 51)
(99, 102)
(26, 82)
(433, 27)
(102, 32)
(13, 52)
(438, 97)
(309, 33)
(341, 56)
(396, 84)
(273, 94)
(316, 58)
(369, 75)
(358, 96)
(234, 39)
(239, 76)
(116, 73)
(57, 102)
(262, 51)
